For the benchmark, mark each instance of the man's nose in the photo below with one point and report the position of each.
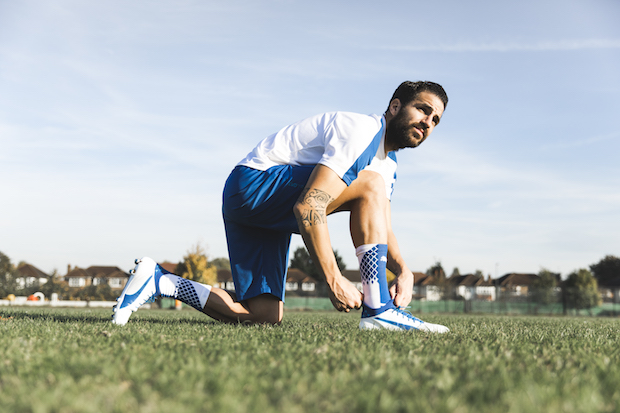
(428, 121)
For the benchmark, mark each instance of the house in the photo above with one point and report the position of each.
(114, 276)
(515, 285)
(78, 277)
(486, 290)
(169, 266)
(354, 277)
(225, 280)
(472, 287)
(426, 287)
(96, 275)
(300, 283)
(29, 275)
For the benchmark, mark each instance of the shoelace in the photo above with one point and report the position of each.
(154, 296)
(407, 313)
(152, 299)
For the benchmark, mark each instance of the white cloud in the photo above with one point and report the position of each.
(507, 46)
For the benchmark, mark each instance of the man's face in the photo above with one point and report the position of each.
(412, 124)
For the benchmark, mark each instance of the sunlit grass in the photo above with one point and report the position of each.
(61, 360)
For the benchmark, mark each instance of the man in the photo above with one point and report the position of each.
(288, 184)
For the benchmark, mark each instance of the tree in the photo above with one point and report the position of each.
(302, 261)
(55, 285)
(606, 270)
(580, 290)
(438, 273)
(196, 267)
(221, 263)
(455, 272)
(99, 292)
(8, 284)
(543, 289)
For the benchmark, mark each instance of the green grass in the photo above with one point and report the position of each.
(63, 360)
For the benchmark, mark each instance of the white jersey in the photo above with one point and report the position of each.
(345, 142)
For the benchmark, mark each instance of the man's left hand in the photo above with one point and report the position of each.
(402, 289)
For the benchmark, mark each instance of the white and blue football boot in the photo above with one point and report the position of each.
(142, 287)
(393, 318)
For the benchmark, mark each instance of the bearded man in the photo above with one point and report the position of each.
(289, 183)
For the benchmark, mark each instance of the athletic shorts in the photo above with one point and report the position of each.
(259, 221)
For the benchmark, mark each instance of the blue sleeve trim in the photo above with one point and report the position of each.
(365, 158)
(392, 156)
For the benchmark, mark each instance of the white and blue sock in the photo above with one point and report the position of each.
(373, 259)
(190, 292)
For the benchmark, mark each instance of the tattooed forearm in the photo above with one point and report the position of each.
(315, 198)
(310, 217)
(313, 206)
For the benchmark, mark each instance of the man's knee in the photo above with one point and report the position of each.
(265, 309)
(371, 184)
(366, 192)
(369, 191)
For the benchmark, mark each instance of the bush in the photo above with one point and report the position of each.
(580, 290)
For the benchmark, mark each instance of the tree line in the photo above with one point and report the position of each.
(195, 266)
(580, 290)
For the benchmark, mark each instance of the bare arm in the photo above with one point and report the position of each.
(323, 187)
(402, 287)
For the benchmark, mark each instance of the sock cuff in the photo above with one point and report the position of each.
(363, 249)
(190, 292)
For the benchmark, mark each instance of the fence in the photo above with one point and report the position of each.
(505, 302)
(471, 306)
(507, 307)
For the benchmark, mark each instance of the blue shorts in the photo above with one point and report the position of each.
(259, 221)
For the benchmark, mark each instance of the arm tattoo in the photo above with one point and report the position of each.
(315, 204)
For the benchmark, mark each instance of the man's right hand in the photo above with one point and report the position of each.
(344, 296)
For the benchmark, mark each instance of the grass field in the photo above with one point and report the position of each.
(62, 360)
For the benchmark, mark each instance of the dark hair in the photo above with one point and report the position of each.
(408, 91)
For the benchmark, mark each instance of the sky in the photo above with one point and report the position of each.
(120, 122)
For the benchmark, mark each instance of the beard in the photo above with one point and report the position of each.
(398, 133)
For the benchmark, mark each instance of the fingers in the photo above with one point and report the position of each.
(401, 300)
(405, 302)
(358, 302)
(397, 300)
(347, 298)
(352, 299)
(343, 308)
(348, 307)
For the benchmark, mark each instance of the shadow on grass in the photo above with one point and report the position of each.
(101, 317)
(151, 320)
(61, 318)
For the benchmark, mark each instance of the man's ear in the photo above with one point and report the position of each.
(394, 106)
